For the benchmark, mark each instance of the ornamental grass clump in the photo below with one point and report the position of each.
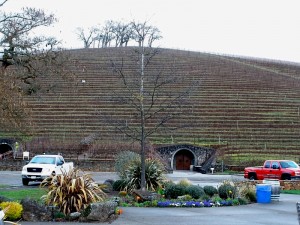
(72, 191)
(153, 173)
(247, 191)
(185, 182)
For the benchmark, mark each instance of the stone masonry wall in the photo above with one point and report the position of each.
(284, 184)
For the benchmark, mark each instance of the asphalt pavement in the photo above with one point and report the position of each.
(282, 212)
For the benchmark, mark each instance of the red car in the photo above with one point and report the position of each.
(274, 169)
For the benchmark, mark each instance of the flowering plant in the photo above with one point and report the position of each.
(205, 203)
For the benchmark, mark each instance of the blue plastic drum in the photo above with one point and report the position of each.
(263, 193)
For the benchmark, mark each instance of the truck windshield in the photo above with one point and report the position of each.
(43, 160)
(288, 164)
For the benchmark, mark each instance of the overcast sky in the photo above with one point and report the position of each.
(256, 28)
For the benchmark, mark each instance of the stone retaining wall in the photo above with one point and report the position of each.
(290, 184)
(284, 184)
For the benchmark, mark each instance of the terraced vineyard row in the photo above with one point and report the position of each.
(249, 109)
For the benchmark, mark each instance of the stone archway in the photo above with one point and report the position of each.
(7, 147)
(182, 156)
(183, 159)
(4, 147)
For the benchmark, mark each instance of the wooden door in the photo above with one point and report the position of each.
(183, 161)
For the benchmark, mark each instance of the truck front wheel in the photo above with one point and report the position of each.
(252, 176)
(25, 181)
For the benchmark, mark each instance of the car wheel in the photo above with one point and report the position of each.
(286, 177)
(252, 177)
(25, 181)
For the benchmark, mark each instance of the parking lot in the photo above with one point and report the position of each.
(13, 178)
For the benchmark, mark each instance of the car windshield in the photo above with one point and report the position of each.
(43, 160)
(288, 164)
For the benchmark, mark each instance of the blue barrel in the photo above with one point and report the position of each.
(263, 193)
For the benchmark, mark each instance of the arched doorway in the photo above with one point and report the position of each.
(5, 148)
(183, 160)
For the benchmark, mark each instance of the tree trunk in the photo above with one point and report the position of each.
(143, 174)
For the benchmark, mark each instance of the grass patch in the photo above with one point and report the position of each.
(294, 192)
(19, 194)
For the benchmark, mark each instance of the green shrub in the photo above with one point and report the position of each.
(243, 201)
(226, 190)
(72, 191)
(161, 191)
(235, 201)
(167, 183)
(153, 173)
(172, 191)
(154, 203)
(123, 160)
(205, 197)
(217, 199)
(13, 210)
(195, 191)
(210, 190)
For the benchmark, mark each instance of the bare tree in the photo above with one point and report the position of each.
(141, 31)
(154, 35)
(123, 33)
(88, 37)
(3, 2)
(119, 34)
(150, 92)
(26, 58)
(17, 37)
(106, 34)
(13, 111)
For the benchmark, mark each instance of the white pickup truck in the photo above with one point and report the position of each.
(43, 166)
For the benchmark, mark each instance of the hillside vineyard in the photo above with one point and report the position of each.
(246, 108)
